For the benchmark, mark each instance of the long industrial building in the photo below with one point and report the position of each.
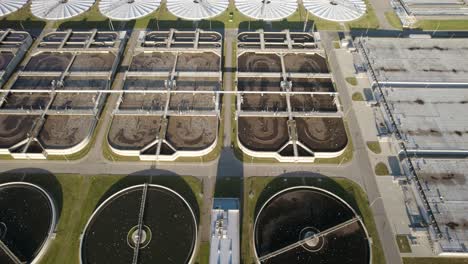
(421, 85)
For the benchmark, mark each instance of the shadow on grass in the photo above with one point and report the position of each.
(101, 25)
(274, 26)
(179, 24)
(153, 25)
(33, 27)
(158, 177)
(41, 178)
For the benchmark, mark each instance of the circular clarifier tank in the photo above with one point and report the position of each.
(27, 222)
(165, 233)
(310, 225)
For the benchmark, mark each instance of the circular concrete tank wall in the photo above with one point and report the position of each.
(309, 225)
(169, 228)
(27, 221)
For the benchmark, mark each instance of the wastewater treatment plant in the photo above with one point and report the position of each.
(233, 131)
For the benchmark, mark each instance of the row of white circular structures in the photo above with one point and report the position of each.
(268, 10)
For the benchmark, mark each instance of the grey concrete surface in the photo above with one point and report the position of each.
(361, 160)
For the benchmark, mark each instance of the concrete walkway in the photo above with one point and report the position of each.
(380, 8)
(361, 158)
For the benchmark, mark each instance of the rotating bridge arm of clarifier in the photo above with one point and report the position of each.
(305, 240)
(141, 214)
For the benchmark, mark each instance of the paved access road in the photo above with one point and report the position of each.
(361, 159)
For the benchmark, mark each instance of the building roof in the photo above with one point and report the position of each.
(419, 60)
(430, 118)
(225, 232)
(336, 10)
(60, 9)
(269, 10)
(197, 9)
(10, 6)
(446, 189)
(128, 9)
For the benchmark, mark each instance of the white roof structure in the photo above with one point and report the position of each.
(197, 9)
(225, 244)
(10, 6)
(268, 10)
(128, 9)
(336, 10)
(60, 9)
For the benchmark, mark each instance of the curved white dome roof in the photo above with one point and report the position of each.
(197, 9)
(336, 10)
(10, 6)
(267, 9)
(60, 9)
(128, 9)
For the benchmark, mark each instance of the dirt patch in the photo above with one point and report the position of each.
(198, 62)
(263, 133)
(188, 102)
(149, 102)
(14, 128)
(144, 84)
(266, 102)
(33, 83)
(308, 103)
(312, 85)
(49, 62)
(322, 134)
(152, 102)
(74, 101)
(424, 132)
(444, 178)
(133, 132)
(259, 84)
(26, 101)
(78, 100)
(252, 62)
(305, 63)
(157, 61)
(61, 132)
(198, 84)
(191, 133)
(90, 62)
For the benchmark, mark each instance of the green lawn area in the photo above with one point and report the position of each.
(336, 45)
(393, 19)
(258, 189)
(77, 196)
(442, 25)
(357, 96)
(374, 146)
(403, 244)
(352, 80)
(435, 260)
(203, 253)
(369, 20)
(381, 169)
